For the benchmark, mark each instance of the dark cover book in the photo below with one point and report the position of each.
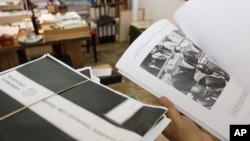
(115, 77)
(48, 72)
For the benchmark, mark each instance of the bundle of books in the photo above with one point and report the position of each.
(47, 100)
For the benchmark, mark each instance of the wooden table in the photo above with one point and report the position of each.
(69, 41)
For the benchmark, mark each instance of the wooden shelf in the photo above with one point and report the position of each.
(107, 4)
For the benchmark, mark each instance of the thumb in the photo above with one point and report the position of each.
(172, 113)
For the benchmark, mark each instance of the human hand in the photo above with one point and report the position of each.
(182, 128)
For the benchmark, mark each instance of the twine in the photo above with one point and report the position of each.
(35, 102)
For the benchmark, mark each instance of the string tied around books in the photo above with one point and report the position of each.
(40, 100)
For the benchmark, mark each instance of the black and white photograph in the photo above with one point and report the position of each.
(181, 64)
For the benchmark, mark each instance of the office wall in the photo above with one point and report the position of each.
(158, 9)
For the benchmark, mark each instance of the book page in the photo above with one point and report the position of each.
(166, 63)
(222, 29)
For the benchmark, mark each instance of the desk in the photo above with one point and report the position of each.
(70, 42)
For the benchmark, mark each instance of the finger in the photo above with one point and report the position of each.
(172, 113)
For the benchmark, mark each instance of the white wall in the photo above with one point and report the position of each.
(158, 9)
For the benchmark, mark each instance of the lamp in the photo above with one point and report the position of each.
(30, 37)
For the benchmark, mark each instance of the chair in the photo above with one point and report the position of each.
(93, 41)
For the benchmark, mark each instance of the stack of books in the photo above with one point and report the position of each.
(47, 100)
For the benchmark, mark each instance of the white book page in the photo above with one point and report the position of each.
(215, 107)
(222, 29)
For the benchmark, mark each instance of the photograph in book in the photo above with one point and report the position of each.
(181, 64)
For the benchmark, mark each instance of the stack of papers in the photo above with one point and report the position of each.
(73, 23)
(50, 18)
(8, 30)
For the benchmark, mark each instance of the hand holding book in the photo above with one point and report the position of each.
(181, 127)
(199, 88)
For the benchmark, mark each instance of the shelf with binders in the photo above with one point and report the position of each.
(106, 15)
(82, 7)
(111, 9)
(103, 2)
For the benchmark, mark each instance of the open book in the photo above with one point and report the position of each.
(48, 100)
(165, 62)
